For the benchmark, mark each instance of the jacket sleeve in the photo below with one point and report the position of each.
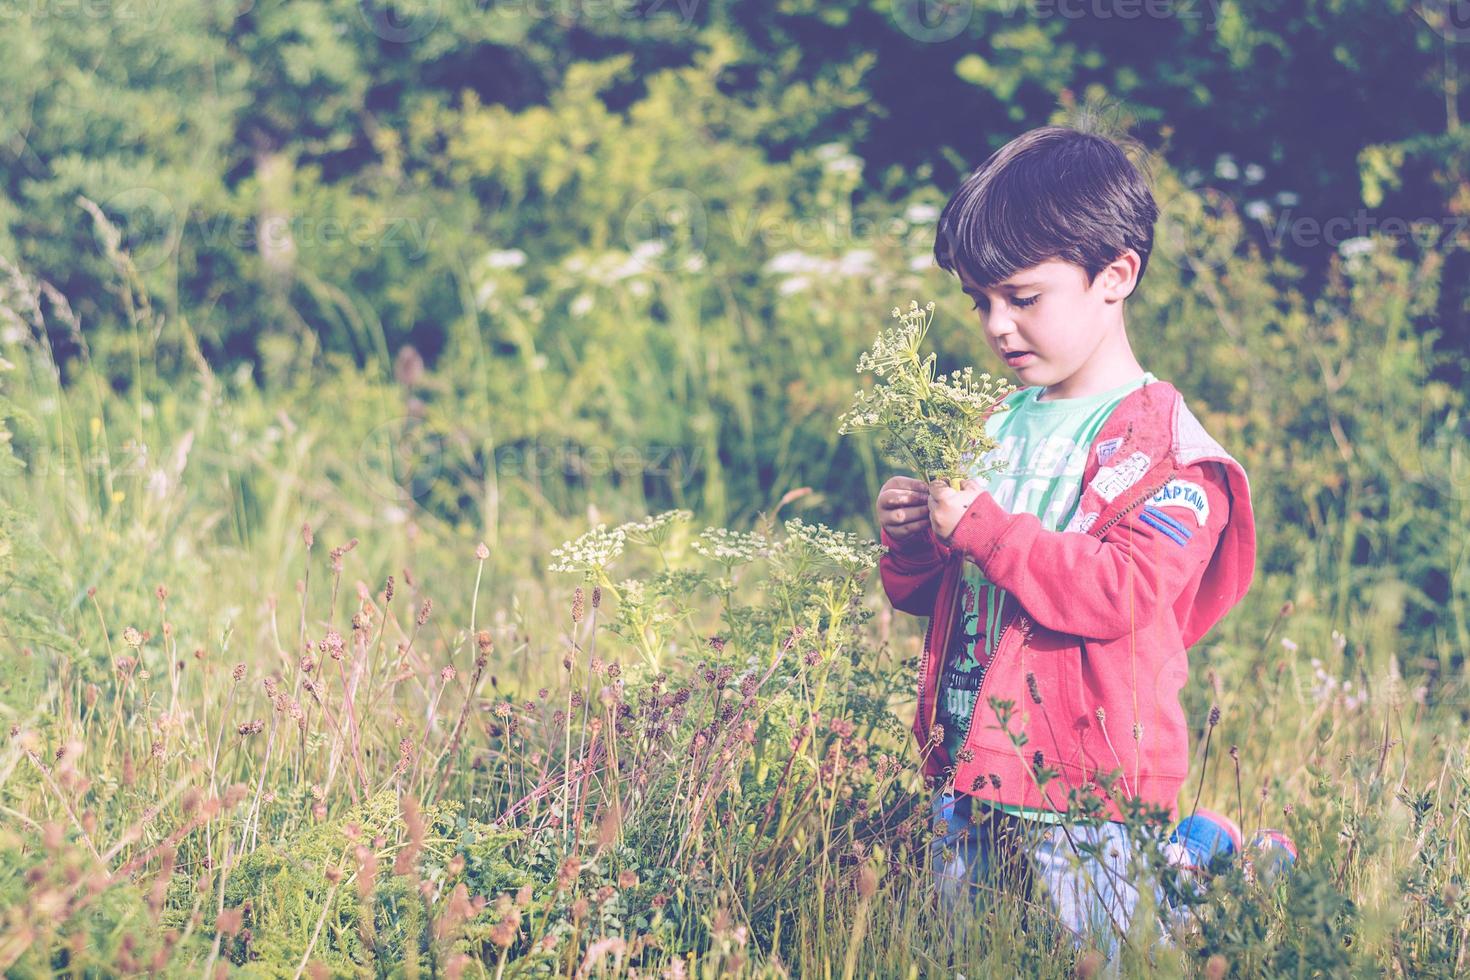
(1101, 588)
(911, 571)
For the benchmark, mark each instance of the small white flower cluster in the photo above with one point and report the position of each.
(895, 348)
(593, 550)
(848, 551)
(932, 424)
(801, 269)
(730, 548)
(632, 592)
(655, 530)
(1328, 687)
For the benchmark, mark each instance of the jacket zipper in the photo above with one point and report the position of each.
(924, 666)
(1098, 532)
(990, 662)
(1020, 615)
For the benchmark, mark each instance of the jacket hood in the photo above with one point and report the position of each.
(1153, 431)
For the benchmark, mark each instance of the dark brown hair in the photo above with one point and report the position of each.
(1050, 193)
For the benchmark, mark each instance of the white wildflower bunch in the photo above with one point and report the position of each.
(850, 552)
(655, 530)
(932, 424)
(632, 593)
(730, 548)
(589, 553)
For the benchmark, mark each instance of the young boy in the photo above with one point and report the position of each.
(1071, 580)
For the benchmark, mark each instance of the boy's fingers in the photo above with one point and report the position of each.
(910, 518)
(907, 528)
(904, 502)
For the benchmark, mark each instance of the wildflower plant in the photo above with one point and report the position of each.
(590, 553)
(655, 531)
(931, 423)
(730, 548)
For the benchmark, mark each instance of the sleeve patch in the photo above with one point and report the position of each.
(1107, 448)
(1186, 495)
(1166, 526)
(1113, 480)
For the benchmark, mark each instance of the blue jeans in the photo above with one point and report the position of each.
(1090, 880)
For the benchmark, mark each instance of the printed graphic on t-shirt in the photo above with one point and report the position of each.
(1037, 467)
(962, 670)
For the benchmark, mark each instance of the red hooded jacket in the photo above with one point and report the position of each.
(1162, 544)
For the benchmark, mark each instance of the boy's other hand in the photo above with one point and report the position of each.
(947, 505)
(903, 508)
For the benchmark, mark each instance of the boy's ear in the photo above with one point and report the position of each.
(1120, 277)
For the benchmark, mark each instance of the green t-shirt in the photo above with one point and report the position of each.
(1044, 445)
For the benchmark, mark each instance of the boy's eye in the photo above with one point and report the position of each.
(1028, 301)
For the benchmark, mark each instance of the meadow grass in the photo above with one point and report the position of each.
(270, 712)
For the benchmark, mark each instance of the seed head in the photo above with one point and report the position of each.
(1214, 715)
(1032, 688)
(238, 673)
(577, 605)
(482, 551)
(423, 616)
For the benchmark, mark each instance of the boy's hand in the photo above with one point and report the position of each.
(947, 506)
(903, 508)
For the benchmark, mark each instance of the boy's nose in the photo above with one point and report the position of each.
(999, 328)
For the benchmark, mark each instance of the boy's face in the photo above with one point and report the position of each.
(1054, 316)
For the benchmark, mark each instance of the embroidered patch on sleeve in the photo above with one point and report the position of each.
(1113, 480)
(1184, 494)
(1166, 525)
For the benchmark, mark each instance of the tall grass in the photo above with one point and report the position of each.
(282, 697)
